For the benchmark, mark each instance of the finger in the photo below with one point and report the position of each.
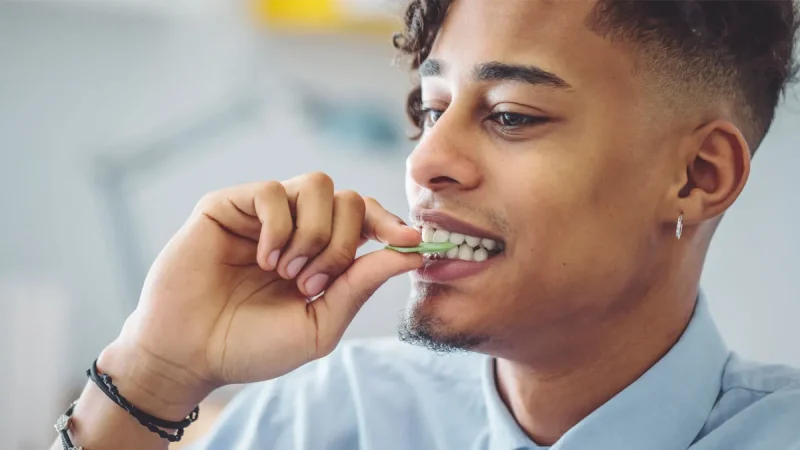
(258, 212)
(348, 216)
(272, 208)
(234, 208)
(203, 238)
(381, 225)
(312, 196)
(347, 294)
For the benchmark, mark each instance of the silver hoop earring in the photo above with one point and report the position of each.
(679, 228)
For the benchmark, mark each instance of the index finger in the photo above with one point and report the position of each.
(383, 226)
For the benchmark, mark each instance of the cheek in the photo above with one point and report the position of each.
(573, 227)
(548, 192)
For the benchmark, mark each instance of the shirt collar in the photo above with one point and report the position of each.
(504, 431)
(664, 409)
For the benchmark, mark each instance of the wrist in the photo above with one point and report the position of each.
(152, 385)
(98, 423)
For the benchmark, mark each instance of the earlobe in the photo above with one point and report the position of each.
(717, 167)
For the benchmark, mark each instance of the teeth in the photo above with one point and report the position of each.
(465, 252)
(457, 238)
(441, 236)
(427, 234)
(472, 241)
(453, 252)
(480, 255)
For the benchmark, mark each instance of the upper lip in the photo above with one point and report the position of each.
(439, 219)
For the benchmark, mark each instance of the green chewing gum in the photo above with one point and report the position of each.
(425, 247)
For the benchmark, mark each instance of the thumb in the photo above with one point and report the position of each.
(347, 294)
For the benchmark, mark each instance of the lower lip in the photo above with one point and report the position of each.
(443, 270)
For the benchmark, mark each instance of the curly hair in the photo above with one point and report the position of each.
(423, 18)
(700, 49)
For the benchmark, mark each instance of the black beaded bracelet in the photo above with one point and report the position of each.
(152, 423)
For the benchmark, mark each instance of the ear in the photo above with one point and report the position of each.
(717, 163)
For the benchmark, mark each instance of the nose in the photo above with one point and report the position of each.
(446, 156)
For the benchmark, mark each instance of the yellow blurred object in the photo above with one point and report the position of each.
(359, 16)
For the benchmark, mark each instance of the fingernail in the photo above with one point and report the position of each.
(295, 266)
(316, 284)
(272, 259)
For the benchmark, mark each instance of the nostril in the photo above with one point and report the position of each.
(442, 180)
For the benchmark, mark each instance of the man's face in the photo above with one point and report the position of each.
(539, 136)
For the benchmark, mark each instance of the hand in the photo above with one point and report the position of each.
(227, 300)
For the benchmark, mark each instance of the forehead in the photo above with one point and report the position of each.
(550, 34)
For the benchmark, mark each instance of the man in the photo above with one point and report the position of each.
(582, 154)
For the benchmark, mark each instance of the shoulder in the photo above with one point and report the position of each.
(768, 391)
(759, 379)
(758, 404)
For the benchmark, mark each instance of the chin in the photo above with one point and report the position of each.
(438, 320)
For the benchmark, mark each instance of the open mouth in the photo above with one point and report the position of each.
(468, 248)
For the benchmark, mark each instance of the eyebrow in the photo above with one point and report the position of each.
(497, 71)
(430, 68)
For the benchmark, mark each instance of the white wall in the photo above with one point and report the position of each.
(77, 85)
(752, 273)
(74, 84)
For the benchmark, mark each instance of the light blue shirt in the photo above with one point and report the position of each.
(386, 395)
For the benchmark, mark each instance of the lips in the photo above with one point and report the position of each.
(476, 248)
(448, 270)
(438, 219)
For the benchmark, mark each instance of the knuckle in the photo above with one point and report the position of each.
(269, 188)
(208, 200)
(352, 199)
(371, 201)
(319, 179)
(350, 196)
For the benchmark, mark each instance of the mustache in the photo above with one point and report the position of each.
(490, 217)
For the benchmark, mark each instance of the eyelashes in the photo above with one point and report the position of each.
(430, 116)
(506, 121)
(516, 120)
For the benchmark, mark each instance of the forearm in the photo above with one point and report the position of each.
(100, 424)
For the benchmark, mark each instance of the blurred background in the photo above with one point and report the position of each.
(116, 116)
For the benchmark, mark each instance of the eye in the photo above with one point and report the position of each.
(515, 120)
(430, 116)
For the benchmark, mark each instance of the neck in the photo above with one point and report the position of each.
(548, 396)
